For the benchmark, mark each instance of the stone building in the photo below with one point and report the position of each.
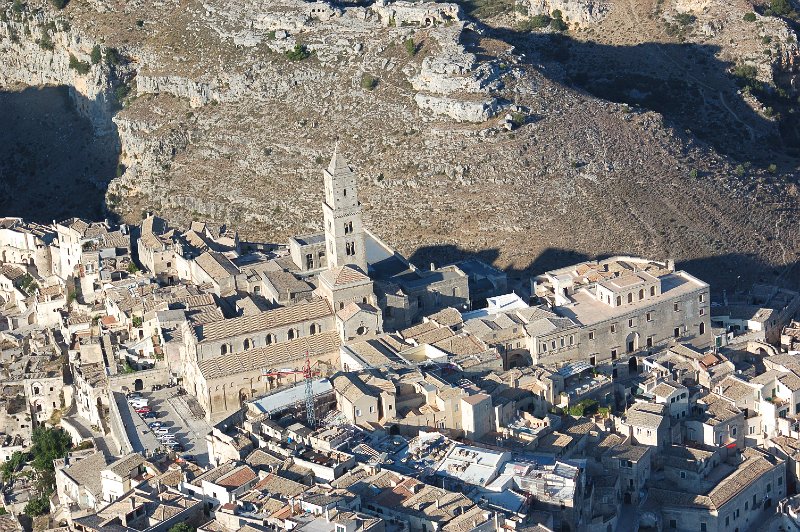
(752, 483)
(223, 383)
(612, 309)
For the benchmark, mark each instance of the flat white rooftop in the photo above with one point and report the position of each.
(587, 310)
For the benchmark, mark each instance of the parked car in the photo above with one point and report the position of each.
(157, 387)
(137, 402)
(166, 438)
(133, 395)
(143, 410)
(189, 458)
(150, 415)
(154, 424)
(161, 430)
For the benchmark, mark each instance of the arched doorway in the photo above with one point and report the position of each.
(138, 385)
(632, 342)
(632, 366)
(243, 397)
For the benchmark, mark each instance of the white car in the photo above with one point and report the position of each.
(161, 431)
(137, 403)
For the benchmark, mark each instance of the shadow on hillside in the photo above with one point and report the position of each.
(52, 166)
(732, 272)
(686, 83)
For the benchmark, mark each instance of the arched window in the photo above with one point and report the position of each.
(224, 349)
(270, 339)
(313, 329)
(36, 390)
(702, 328)
(641, 293)
(619, 300)
(652, 290)
(293, 334)
(630, 298)
(248, 343)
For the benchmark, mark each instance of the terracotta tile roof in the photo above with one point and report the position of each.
(344, 275)
(238, 477)
(271, 356)
(302, 311)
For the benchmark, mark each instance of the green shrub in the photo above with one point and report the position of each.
(747, 72)
(534, 23)
(298, 53)
(81, 67)
(411, 46)
(368, 81)
(132, 268)
(17, 7)
(558, 25)
(140, 23)
(37, 506)
(693, 173)
(122, 91)
(772, 168)
(96, 56)
(781, 8)
(46, 43)
(749, 17)
(113, 57)
(59, 4)
(685, 19)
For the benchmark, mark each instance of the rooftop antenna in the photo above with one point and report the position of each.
(311, 417)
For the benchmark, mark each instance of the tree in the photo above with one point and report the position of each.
(46, 43)
(113, 56)
(749, 17)
(780, 7)
(132, 268)
(13, 465)
(37, 506)
(96, 55)
(557, 23)
(59, 4)
(298, 53)
(81, 67)
(48, 445)
(181, 527)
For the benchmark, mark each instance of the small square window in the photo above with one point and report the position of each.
(630, 322)
(614, 328)
(591, 335)
(676, 307)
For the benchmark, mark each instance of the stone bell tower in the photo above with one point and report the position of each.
(344, 234)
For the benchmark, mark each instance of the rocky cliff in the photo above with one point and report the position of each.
(216, 120)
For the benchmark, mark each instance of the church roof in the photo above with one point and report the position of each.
(343, 275)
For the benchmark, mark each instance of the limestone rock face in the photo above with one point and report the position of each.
(460, 110)
(580, 11)
(25, 62)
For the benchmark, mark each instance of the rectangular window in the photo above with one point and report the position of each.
(371, 409)
(676, 307)
(677, 332)
(358, 412)
(591, 335)
(673, 523)
(630, 322)
(649, 316)
(702, 312)
(613, 327)
(562, 341)
(649, 341)
(571, 339)
(703, 527)
(613, 354)
(702, 298)
(544, 347)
